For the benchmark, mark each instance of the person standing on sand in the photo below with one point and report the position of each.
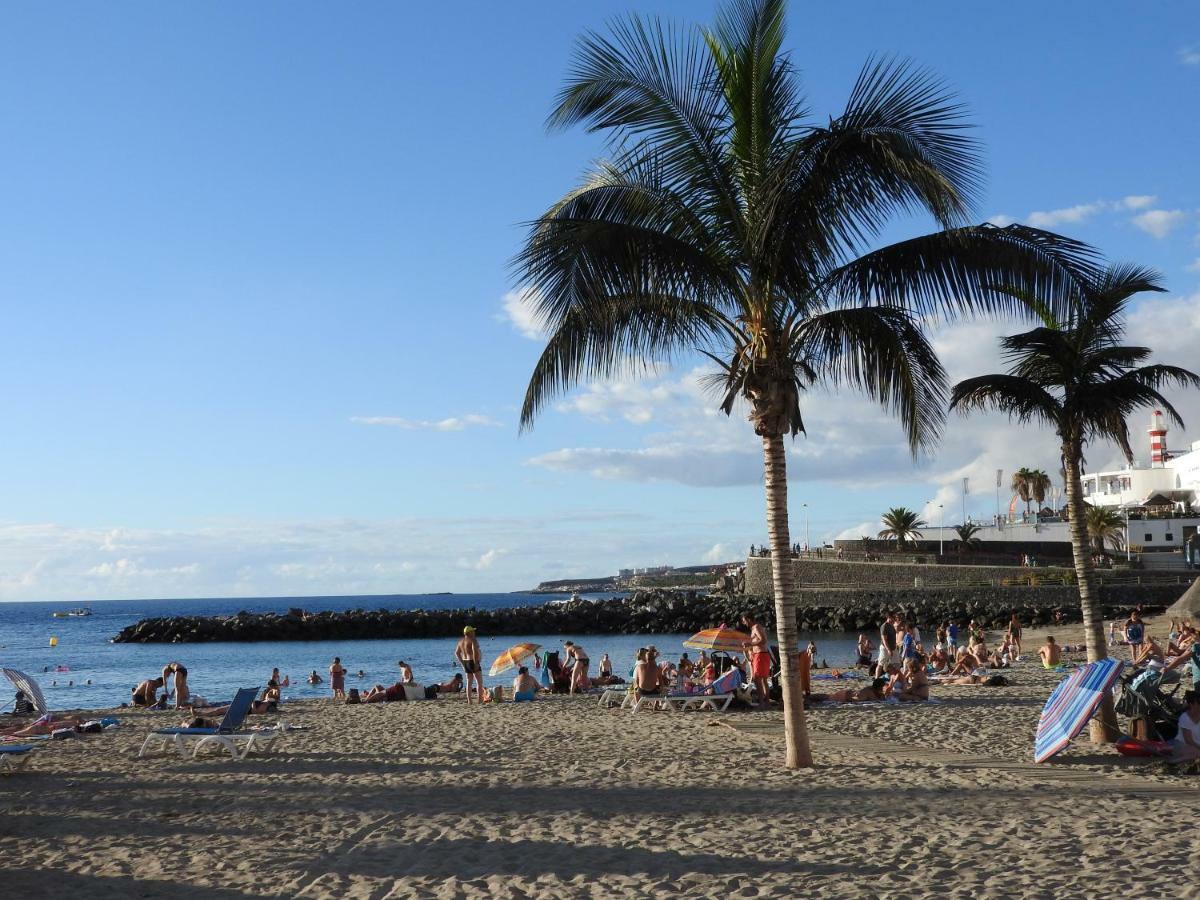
(1014, 634)
(606, 666)
(1135, 632)
(469, 657)
(759, 652)
(887, 645)
(577, 660)
(337, 679)
(176, 670)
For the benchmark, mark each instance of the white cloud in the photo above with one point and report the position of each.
(1158, 223)
(516, 308)
(862, 529)
(1138, 201)
(1069, 215)
(454, 423)
(723, 553)
(1190, 56)
(1000, 220)
(485, 561)
(1193, 266)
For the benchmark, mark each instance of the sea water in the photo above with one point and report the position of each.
(84, 651)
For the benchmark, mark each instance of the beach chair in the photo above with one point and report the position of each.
(13, 757)
(620, 697)
(225, 735)
(716, 698)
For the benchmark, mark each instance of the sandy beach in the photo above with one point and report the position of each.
(563, 798)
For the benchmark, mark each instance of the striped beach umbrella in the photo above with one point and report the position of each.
(512, 657)
(727, 639)
(23, 682)
(1072, 704)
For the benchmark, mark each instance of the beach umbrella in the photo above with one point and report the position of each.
(1187, 606)
(1072, 704)
(23, 682)
(513, 657)
(727, 639)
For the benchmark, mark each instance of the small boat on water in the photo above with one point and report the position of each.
(76, 613)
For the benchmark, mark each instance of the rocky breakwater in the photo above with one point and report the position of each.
(643, 612)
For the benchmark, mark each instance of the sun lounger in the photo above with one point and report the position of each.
(619, 696)
(225, 735)
(13, 757)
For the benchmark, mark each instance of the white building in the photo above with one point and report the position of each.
(1168, 477)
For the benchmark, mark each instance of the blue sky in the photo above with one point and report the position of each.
(253, 264)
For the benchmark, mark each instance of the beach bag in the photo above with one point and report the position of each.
(1128, 746)
(414, 692)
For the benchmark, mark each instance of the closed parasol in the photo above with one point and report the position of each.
(512, 657)
(23, 682)
(728, 640)
(1072, 704)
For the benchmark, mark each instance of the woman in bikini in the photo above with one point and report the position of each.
(1014, 635)
(337, 679)
(916, 683)
(873, 692)
(176, 670)
(579, 671)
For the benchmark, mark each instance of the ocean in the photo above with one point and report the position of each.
(86, 671)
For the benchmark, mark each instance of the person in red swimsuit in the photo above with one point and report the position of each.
(760, 658)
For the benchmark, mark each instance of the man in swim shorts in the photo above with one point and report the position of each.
(1050, 653)
(760, 658)
(470, 657)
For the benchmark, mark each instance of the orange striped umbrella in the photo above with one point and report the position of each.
(512, 657)
(727, 639)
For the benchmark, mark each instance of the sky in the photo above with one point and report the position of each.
(261, 335)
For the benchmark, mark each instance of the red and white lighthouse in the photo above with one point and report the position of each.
(1158, 440)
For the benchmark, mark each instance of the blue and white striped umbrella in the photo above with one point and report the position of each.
(1072, 704)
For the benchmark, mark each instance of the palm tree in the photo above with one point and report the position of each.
(1076, 377)
(1022, 485)
(1105, 526)
(966, 535)
(726, 222)
(900, 524)
(1039, 487)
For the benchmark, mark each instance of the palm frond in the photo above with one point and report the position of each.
(883, 352)
(1020, 398)
(963, 270)
(653, 85)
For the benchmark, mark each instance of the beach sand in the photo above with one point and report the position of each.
(561, 798)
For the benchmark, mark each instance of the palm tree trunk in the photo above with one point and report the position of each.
(1104, 725)
(794, 728)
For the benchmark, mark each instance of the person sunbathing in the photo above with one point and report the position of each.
(453, 686)
(525, 686)
(872, 693)
(916, 682)
(381, 694)
(646, 677)
(1148, 651)
(1050, 653)
(45, 725)
(966, 663)
(146, 693)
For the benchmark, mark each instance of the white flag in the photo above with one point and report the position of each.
(999, 478)
(965, 488)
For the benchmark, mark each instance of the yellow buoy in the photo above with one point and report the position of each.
(53, 642)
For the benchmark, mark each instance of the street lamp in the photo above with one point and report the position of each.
(941, 531)
(1128, 549)
(807, 533)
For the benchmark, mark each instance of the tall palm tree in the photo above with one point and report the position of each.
(901, 525)
(1105, 527)
(1075, 376)
(725, 221)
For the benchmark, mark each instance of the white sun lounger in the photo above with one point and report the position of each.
(13, 757)
(185, 739)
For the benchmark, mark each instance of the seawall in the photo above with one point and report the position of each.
(658, 612)
(824, 573)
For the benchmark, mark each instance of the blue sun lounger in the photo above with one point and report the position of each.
(225, 735)
(13, 757)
